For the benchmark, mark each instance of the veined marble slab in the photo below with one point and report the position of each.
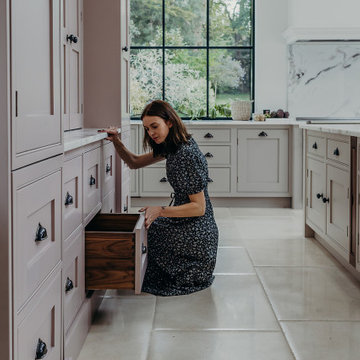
(343, 129)
(324, 79)
(78, 138)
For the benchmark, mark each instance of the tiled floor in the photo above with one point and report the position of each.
(276, 296)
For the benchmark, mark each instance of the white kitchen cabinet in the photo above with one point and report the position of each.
(357, 199)
(262, 164)
(315, 193)
(108, 168)
(72, 63)
(36, 126)
(338, 206)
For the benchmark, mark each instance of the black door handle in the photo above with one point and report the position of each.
(41, 350)
(325, 200)
(125, 48)
(69, 199)
(263, 133)
(92, 181)
(163, 180)
(69, 285)
(41, 233)
(108, 168)
(315, 146)
(208, 136)
(209, 155)
(209, 180)
(71, 38)
(336, 152)
(319, 196)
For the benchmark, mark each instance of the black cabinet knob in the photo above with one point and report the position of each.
(263, 133)
(41, 350)
(163, 180)
(336, 152)
(209, 180)
(92, 181)
(41, 233)
(208, 136)
(125, 48)
(72, 38)
(315, 146)
(325, 200)
(69, 285)
(143, 249)
(209, 155)
(69, 199)
(319, 196)
(108, 168)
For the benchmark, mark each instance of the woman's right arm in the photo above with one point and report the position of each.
(132, 160)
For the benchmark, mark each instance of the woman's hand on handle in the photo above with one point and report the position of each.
(151, 214)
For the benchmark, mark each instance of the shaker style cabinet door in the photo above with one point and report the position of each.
(72, 55)
(35, 81)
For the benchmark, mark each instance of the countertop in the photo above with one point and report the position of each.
(77, 138)
(270, 121)
(343, 129)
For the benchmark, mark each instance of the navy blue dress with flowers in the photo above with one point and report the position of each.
(182, 251)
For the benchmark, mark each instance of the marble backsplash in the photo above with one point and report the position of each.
(324, 79)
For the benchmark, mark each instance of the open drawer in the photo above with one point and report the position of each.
(115, 252)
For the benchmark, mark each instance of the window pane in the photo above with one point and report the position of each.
(145, 78)
(185, 22)
(230, 22)
(146, 22)
(230, 75)
(185, 81)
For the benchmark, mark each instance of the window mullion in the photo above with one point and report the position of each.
(207, 57)
(163, 49)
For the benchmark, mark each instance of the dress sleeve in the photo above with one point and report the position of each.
(193, 173)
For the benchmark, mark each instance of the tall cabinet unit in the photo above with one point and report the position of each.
(106, 79)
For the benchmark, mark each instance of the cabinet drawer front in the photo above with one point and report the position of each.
(91, 181)
(115, 252)
(219, 180)
(210, 135)
(316, 145)
(338, 150)
(108, 203)
(217, 154)
(155, 180)
(108, 169)
(41, 320)
(73, 278)
(72, 195)
(37, 234)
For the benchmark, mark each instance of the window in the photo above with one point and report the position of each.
(196, 54)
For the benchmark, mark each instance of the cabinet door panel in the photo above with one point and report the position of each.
(338, 212)
(36, 119)
(108, 169)
(263, 160)
(315, 191)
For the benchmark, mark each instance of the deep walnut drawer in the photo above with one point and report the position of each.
(202, 136)
(115, 252)
(338, 150)
(316, 145)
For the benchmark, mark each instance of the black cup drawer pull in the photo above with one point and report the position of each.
(208, 136)
(41, 350)
(69, 285)
(41, 233)
(69, 199)
(336, 152)
(209, 180)
(209, 155)
(143, 249)
(108, 168)
(92, 181)
(315, 146)
(319, 196)
(163, 180)
(263, 133)
(325, 200)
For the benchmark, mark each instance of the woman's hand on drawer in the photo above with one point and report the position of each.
(151, 214)
(112, 133)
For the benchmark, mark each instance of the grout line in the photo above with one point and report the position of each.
(152, 329)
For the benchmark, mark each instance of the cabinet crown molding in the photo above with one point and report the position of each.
(295, 34)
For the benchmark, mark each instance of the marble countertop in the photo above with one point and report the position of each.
(270, 121)
(343, 129)
(77, 138)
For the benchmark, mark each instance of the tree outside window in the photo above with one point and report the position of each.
(195, 54)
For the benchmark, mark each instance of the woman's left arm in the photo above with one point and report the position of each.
(196, 207)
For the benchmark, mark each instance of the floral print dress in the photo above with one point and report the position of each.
(182, 251)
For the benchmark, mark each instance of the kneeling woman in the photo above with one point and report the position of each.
(182, 239)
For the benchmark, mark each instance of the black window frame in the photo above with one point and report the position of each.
(207, 47)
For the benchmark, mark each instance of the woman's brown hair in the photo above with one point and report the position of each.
(177, 132)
